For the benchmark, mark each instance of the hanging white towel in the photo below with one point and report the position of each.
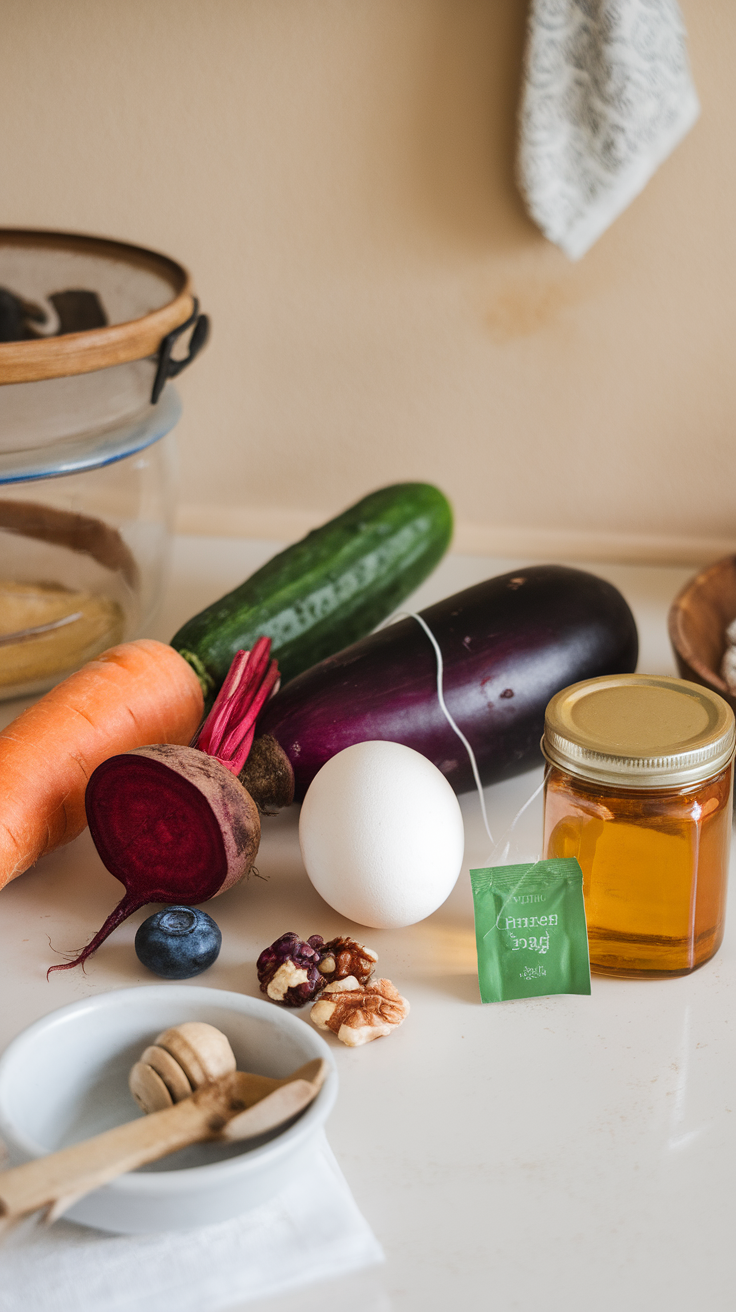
(607, 96)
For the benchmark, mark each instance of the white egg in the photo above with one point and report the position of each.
(381, 834)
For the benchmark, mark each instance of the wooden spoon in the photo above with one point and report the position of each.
(235, 1107)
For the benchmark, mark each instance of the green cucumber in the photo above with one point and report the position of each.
(328, 590)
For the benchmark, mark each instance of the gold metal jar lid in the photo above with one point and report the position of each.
(639, 731)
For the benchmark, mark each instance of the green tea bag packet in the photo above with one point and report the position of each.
(530, 930)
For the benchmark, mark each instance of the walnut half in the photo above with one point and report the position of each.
(288, 971)
(358, 1013)
(342, 957)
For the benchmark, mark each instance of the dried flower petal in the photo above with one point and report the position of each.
(288, 971)
(359, 1013)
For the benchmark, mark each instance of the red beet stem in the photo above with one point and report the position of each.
(228, 731)
(233, 751)
(130, 902)
(214, 723)
(243, 677)
(235, 763)
(218, 713)
(251, 679)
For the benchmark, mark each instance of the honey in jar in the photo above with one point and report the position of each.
(639, 789)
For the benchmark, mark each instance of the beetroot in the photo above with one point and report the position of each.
(175, 824)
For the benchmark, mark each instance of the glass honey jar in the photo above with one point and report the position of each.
(639, 789)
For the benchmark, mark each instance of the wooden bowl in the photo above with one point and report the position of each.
(699, 617)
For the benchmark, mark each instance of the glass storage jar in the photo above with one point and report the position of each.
(639, 789)
(83, 551)
(87, 331)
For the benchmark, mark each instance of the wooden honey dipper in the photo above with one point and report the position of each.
(181, 1060)
(188, 1084)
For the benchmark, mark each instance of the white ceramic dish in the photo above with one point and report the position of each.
(66, 1078)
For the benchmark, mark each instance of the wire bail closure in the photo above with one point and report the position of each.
(168, 368)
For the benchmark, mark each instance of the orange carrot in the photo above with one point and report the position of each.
(133, 695)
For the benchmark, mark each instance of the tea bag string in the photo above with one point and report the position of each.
(410, 614)
(508, 832)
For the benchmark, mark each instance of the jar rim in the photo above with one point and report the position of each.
(77, 454)
(639, 731)
(96, 348)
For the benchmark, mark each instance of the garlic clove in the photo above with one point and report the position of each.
(202, 1051)
(148, 1088)
(170, 1071)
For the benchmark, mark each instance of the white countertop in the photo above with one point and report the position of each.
(561, 1153)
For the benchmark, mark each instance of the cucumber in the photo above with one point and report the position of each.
(327, 591)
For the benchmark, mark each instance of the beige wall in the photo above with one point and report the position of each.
(338, 174)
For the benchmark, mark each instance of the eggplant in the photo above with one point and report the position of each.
(508, 645)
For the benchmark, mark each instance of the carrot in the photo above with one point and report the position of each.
(137, 693)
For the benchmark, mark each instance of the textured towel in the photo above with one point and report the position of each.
(607, 96)
(312, 1231)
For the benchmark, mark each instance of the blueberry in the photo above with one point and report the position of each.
(178, 942)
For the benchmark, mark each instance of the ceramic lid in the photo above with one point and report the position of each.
(639, 731)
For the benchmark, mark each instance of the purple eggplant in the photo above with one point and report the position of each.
(508, 645)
